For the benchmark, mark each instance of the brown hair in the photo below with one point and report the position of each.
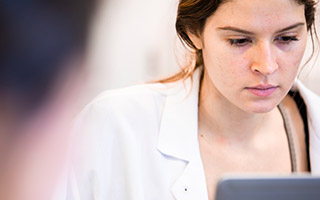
(192, 16)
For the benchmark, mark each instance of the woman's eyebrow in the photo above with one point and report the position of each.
(291, 27)
(234, 29)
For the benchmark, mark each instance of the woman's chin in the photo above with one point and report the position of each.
(262, 107)
(262, 110)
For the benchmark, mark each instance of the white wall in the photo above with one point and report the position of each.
(134, 41)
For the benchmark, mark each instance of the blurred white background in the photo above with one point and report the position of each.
(134, 41)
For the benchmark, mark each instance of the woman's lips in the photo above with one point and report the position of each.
(262, 90)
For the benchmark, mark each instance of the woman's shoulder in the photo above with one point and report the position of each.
(304, 101)
(129, 93)
(311, 100)
(119, 115)
(136, 107)
(310, 97)
(136, 96)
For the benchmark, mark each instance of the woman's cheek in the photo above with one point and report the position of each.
(292, 59)
(239, 66)
(290, 65)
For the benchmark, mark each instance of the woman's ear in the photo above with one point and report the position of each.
(196, 40)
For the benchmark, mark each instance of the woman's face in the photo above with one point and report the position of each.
(252, 50)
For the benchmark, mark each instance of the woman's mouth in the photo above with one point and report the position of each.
(262, 90)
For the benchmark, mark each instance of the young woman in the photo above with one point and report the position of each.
(230, 111)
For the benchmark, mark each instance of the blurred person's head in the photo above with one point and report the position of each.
(42, 50)
(41, 43)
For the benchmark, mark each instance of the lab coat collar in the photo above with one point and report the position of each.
(312, 102)
(178, 138)
(178, 132)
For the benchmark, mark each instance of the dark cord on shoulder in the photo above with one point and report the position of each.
(303, 112)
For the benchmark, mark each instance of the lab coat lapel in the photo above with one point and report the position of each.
(178, 138)
(313, 109)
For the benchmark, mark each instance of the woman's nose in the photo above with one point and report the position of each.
(263, 60)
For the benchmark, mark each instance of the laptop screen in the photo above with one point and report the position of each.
(269, 188)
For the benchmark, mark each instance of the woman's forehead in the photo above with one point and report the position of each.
(257, 15)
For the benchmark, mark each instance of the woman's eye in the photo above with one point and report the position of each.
(286, 39)
(240, 42)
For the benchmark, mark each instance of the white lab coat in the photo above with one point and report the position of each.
(140, 143)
